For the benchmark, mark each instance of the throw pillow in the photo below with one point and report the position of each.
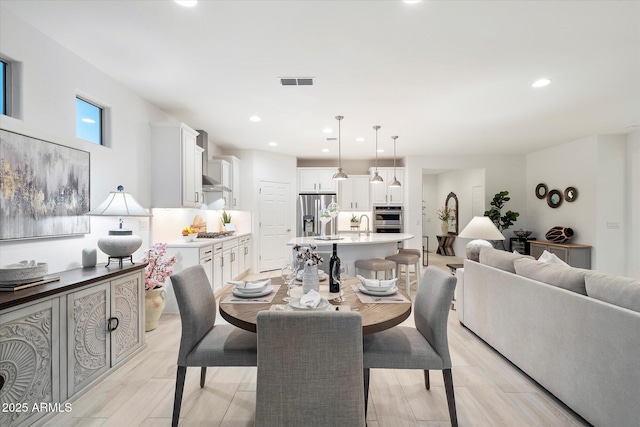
(500, 259)
(620, 291)
(550, 258)
(569, 278)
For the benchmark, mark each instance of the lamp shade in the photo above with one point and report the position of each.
(481, 227)
(119, 203)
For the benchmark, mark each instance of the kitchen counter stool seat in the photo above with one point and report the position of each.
(376, 265)
(202, 343)
(407, 259)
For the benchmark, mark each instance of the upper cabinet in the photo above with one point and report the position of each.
(226, 169)
(382, 194)
(176, 166)
(354, 193)
(316, 180)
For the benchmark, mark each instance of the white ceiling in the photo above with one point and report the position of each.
(447, 77)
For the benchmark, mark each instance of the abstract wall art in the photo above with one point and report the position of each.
(44, 188)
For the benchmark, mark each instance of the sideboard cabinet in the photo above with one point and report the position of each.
(59, 338)
(572, 254)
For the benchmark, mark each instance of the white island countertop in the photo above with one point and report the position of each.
(348, 239)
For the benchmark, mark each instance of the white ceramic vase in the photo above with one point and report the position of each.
(445, 227)
(310, 278)
(153, 306)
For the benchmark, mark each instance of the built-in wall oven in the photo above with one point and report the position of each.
(388, 219)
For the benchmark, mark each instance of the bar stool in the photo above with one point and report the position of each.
(376, 264)
(407, 259)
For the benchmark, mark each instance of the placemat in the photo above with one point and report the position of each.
(397, 298)
(232, 299)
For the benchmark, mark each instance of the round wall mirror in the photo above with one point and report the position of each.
(541, 191)
(554, 198)
(452, 203)
(570, 194)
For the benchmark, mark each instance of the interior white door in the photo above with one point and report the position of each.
(274, 223)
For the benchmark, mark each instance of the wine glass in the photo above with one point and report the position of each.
(288, 274)
(325, 217)
(339, 272)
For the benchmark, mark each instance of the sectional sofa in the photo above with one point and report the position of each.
(576, 332)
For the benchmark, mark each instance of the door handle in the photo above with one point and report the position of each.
(110, 326)
(288, 230)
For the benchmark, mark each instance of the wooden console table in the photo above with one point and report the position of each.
(445, 245)
(572, 254)
(63, 337)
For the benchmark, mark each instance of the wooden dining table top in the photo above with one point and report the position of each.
(376, 317)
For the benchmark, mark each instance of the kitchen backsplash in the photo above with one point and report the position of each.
(167, 224)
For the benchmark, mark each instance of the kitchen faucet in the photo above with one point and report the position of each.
(368, 227)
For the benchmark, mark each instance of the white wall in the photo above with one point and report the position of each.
(633, 207)
(501, 173)
(51, 78)
(601, 169)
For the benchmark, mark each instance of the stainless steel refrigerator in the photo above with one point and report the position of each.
(309, 207)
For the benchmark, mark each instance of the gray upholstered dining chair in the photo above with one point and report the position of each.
(203, 344)
(423, 347)
(309, 369)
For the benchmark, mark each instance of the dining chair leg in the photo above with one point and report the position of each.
(203, 376)
(177, 400)
(427, 383)
(367, 372)
(451, 400)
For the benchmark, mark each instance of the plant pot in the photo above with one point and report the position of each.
(229, 227)
(153, 306)
(310, 278)
(445, 227)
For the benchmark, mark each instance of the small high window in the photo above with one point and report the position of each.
(89, 121)
(3, 87)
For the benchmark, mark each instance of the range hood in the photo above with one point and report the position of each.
(208, 183)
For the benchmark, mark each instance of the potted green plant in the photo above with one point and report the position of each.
(355, 221)
(225, 219)
(502, 222)
(445, 214)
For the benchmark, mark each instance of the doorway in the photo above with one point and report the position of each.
(274, 224)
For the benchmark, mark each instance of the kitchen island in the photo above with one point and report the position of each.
(352, 247)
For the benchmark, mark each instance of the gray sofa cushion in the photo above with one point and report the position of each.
(569, 278)
(620, 291)
(500, 259)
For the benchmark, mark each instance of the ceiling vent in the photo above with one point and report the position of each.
(296, 81)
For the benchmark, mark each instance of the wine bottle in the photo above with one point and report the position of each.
(334, 264)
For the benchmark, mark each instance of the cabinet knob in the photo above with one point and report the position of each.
(110, 326)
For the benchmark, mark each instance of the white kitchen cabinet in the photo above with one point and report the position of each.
(316, 180)
(230, 267)
(188, 257)
(354, 193)
(104, 327)
(382, 194)
(218, 281)
(220, 170)
(176, 166)
(244, 254)
(247, 254)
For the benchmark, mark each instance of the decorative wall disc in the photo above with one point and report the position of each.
(541, 191)
(570, 194)
(554, 198)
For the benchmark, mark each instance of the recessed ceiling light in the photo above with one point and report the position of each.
(255, 118)
(325, 150)
(86, 120)
(187, 3)
(327, 130)
(632, 127)
(411, 1)
(380, 150)
(359, 139)
(541, 83)
(273, 143)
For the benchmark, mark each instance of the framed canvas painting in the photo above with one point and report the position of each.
(44, 188)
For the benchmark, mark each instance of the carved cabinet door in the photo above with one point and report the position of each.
(87, 336)
(29, 362)
(127, 298)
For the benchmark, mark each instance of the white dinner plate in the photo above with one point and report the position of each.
(322, 278)
(295, 304)
(266, 291)
(385, 292)
(251, 291)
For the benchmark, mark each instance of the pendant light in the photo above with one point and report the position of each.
(340, 175)
(395, 182)
(376, 179)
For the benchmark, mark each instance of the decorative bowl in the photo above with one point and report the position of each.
(190, 237)
(522, 233)
(19, 275)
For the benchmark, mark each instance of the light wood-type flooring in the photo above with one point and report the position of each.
(489, 390)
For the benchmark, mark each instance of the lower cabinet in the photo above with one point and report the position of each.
(29, 362)
(52, 348)
(104, 327)
(573, 254)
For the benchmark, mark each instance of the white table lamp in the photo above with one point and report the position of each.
(120, 243)
(481, 229)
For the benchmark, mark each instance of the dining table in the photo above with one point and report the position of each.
(378, 312)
